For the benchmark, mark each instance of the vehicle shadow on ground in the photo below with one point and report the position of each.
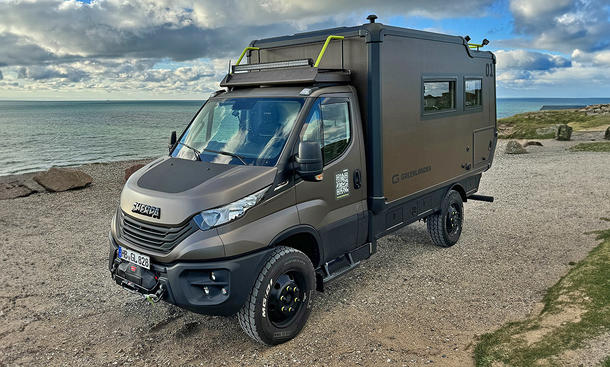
(179, 327)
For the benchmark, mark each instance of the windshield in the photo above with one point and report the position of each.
(249, 131)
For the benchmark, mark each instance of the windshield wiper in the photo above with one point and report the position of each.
(197, 152)
(226, 153)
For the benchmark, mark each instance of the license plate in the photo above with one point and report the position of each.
(134, 257)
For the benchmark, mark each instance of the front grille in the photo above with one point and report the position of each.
(152, 236)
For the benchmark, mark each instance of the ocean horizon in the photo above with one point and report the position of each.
(41, 134)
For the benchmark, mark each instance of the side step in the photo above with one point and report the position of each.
(343, 264)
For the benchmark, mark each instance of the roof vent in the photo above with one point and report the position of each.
(372, 18)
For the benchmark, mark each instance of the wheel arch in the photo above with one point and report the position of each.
(457, 187)
(303, 238)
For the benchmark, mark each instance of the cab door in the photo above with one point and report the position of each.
(334, 204)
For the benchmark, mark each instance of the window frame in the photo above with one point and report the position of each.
(321, 101)
(476, 108)
(335, 100)
(433, 79)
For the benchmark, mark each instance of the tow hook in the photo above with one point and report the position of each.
(155, 297)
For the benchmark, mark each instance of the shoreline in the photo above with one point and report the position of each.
(28, 175)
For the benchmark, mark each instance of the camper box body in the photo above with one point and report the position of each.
(412, 156)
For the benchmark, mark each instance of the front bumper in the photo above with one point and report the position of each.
(190, 285)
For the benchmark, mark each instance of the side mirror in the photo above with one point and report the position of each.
(172, 140)
(309, 161)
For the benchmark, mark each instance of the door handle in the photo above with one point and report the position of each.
(357, 179)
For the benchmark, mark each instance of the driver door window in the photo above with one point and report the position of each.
(329, 125)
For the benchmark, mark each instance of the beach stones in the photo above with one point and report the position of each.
(11, 190)
(513, 147)
(532, 142)
(132, 169)
(62, 179)
(564, 132)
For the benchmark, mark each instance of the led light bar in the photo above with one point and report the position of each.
(272, 65)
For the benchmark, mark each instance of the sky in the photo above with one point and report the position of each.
(180, 49)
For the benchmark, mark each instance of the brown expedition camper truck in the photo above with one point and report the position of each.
(321, 144)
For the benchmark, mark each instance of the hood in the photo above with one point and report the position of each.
(180, 188)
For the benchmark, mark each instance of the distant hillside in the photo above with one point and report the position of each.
(543, 124)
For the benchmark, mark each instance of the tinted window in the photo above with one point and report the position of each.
(439, 96)
(329, 125)
(336, 128)
(473, 93)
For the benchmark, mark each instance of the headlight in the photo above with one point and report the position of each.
(215, 217)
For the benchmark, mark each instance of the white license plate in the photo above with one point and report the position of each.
(134, 257)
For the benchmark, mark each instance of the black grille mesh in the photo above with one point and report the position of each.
(152, 236)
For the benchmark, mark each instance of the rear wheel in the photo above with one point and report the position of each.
(445, 226)
(280, 301)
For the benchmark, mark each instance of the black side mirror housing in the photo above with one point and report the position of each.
(172, 140)
(309, 161)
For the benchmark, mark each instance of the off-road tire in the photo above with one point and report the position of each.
(254, 316)
(438, 222)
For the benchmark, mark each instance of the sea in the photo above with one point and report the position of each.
(36, 135)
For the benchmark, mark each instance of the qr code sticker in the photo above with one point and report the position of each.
(342, 182)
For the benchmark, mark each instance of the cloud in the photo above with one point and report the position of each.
(561, 25)
(51, 30)
(597, 58)
(1, 76)
(528, 60)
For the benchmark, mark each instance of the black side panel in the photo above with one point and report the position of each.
(176, 175)
(402, 212)
(339, 237)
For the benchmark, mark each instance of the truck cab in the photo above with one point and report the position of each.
(286, 178)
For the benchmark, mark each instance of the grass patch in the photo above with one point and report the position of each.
(540, 124)
(600, 146)
(576, 309)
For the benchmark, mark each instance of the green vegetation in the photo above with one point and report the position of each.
(600, 146)
(576, 309)
(541, 124)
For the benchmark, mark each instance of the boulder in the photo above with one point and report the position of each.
(513, 147)
(564, 132)
(532, 142)
(607, 133)
(14, 189)
(131, 170)
(62, 179)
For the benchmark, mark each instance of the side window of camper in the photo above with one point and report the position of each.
(473, 93)
(335, 128)
(439, 95)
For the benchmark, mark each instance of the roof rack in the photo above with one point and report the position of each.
(302, 71)
(284, 64)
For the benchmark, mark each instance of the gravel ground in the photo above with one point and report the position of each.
(410, 304)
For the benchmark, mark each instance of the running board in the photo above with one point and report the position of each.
(341, 265)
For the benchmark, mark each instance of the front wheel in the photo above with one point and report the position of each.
(445, 226)
(280, 301)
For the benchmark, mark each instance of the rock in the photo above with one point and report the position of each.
(513, 147)
(131, 170)
(15, 189)
(62, 179)
(607, 133)
(564, 132)
(532, 142)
